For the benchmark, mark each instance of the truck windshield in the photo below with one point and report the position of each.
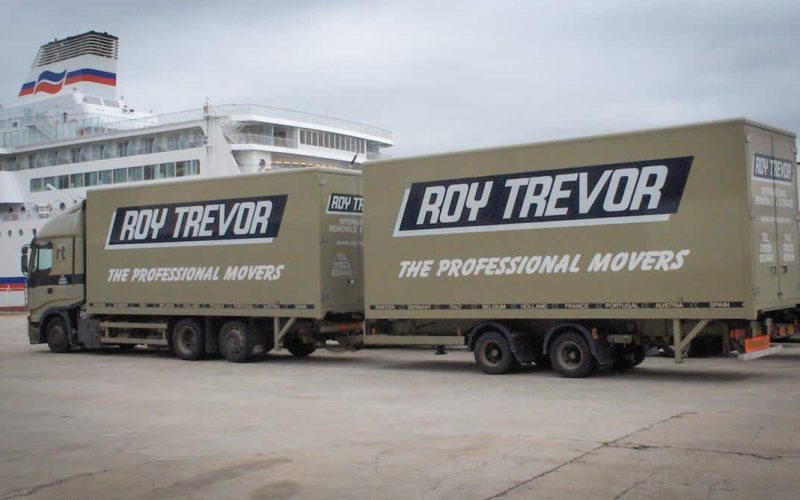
(42, 258)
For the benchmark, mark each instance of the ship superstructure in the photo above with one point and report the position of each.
(70, 130)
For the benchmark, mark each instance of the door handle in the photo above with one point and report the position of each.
(49, 290)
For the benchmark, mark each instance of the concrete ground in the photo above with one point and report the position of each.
(390, 424)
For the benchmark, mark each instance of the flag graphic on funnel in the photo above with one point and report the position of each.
(50, 82)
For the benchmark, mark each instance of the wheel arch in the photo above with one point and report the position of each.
(475, 332)
(69, 313)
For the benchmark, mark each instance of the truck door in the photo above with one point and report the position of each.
(773, 207)
(51, 279)
(783, 154)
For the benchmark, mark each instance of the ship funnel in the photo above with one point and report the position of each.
(86, 62)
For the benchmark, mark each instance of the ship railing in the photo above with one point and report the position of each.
(262, 139)
(300, 116)
(41, 131)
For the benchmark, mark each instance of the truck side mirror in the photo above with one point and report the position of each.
(24, 260)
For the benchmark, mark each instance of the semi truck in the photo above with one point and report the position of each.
(577, 254)
(237, 265)
(587, 253)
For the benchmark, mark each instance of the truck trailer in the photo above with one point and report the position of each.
(234, 265)
(578, 254)
(587, 252)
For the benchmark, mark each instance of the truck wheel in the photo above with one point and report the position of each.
(236, 341)
(188, 341)
(571, 356)
(493, 354)
(298, 348)
(57, 335)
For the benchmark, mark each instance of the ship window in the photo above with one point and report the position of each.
(105, 177)
(62, 182)
(20, 232)
(111, 102)
(36, 185)
(75, 155)
(149, 172)
(76, 180)
(135, 174)
(122, 149)
(97, 151)
(92, 100)
(180, 168)
(172, 142)
(48, 180)
(165, 170)
(63, 156)
(90, 179)
(195, 168)
(120, 175)
(149, 142)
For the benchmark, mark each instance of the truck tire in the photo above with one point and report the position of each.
(188, 340)
(57, 335)
(236, 341)
(571, 355)
(298, 348)
(493, 353)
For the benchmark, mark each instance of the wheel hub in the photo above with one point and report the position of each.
(571, 354)
(233, 340)
(494, 353)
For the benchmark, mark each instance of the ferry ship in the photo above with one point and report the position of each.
(70, 131)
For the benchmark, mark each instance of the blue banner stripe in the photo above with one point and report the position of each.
(12, 280)
(52, 77)
(93, 72)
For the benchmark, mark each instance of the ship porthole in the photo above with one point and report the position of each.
(20, 232)
(62, 206)
(9, 233)
(34, 231)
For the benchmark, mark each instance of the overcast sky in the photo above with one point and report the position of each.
(442, 75)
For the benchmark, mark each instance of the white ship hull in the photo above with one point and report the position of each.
(12, 282)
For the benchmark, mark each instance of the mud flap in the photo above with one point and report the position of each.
(34, 332)
(603, 353)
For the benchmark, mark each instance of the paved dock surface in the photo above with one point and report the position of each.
(390, 424)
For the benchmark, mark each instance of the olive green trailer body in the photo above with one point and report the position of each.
(303, 265)
(622, 236)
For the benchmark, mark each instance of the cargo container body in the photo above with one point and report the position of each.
(260, 261)
(609, 240)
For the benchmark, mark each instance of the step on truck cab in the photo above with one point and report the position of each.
(587, 252)
(235, 265)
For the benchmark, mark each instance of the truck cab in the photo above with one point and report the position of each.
(54, 265)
